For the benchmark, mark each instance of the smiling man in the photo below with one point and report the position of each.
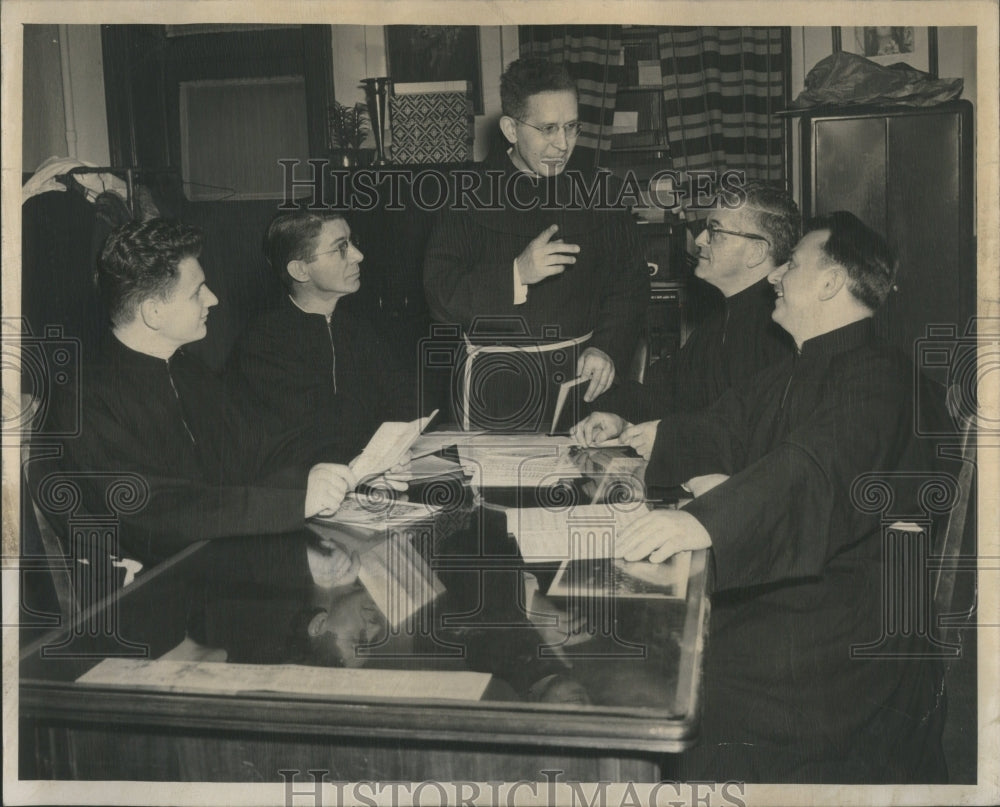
(538, 255)
(737, 250)
(155, 417)
(798, 567)
(308, 364)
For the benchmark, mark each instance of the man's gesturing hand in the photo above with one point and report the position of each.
(326, 488)
(544, 257)
(660, 534)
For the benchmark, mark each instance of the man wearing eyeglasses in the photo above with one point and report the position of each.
(539, 256)
(307, 363)
(737, 250)
(793, 689)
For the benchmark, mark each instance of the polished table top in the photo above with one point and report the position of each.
(457, 641)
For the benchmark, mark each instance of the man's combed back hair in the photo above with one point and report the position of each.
(292, 236)
(870, 263)
(139, 261)
(527, 77)
(776, 215)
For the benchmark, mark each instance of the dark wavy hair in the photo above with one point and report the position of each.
(292, 236)
(870, 263)
(530, 76)
(776, 215)
(139, 260)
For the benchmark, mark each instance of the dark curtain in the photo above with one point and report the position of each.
(721, 89)
(592, 54)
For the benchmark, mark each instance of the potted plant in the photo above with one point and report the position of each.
(347, 127)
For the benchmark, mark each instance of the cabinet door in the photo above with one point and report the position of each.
(849, 159)
(908, 176)
(924, 226)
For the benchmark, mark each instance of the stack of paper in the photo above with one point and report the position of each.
(426, 467)
(374, 513)
(518, 460)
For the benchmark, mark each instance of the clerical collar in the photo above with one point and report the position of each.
(752, 294)
(842, 339)
(327, 317)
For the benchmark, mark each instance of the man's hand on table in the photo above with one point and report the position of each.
(598, 427)
(544, 257)
(660, 534)
(597, 366)
(326, 488)
(641, 437)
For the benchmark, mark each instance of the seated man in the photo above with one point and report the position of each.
(533, 250)
(157, 416)
(737, 250)
(798, 568)
(306, 363)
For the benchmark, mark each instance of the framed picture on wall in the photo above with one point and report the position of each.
(888, 44)
(435, 53)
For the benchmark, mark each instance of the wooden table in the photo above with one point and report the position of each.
(645, 702)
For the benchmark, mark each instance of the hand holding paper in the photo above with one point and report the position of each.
(597, 366)
(388, 447)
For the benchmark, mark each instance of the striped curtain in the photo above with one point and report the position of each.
(592, 54)
(721, 89)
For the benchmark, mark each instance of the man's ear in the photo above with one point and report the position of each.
(758, 252)
(509, 128)
(149, 311)
(297, 269)
(316, 624)
(834, 279)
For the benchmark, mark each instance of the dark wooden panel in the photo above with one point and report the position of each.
(850, 169)
(924, 186)
(93, 752)
(908, 173)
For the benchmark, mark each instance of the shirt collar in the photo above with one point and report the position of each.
(327, 317)
(842, 339)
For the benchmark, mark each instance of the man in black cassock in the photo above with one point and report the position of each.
(306, 362)
(798, 571)
(155, 417)
(528, 248)
(739, 247)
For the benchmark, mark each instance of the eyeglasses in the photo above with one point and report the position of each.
(714, 230)
(341, 248)
(550, 131)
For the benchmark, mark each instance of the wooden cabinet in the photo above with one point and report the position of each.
(908, 173)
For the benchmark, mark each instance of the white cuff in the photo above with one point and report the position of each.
(520, 289)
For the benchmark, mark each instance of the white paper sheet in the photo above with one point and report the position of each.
(388, 446)
(235, 679)
(584, 531)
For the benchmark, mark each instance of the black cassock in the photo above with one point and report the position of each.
(731, 346)
(172, 433)
(469, 260)
(335, 379)
(798, 570)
